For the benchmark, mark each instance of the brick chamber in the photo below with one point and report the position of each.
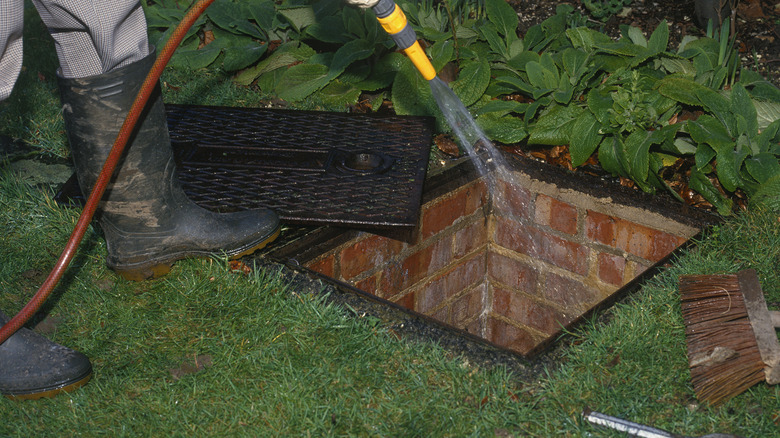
(517, 265)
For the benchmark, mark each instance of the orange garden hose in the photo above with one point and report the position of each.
(104, 177)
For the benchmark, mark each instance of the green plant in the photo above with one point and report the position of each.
(600, 9)
(581, 88)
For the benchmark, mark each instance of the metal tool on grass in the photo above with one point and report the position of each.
(635, 429)
(730, 333)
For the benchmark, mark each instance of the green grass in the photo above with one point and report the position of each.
(277, 361)
(205, 351)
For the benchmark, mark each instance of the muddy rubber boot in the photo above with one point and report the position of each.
(32, 366)
(147, 220)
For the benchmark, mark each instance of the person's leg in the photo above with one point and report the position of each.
(94, 37)
(147, 220)
(31, 366)
(11, 23)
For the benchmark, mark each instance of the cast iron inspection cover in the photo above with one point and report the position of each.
(311, 167)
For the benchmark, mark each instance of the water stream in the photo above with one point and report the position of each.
(487, 159)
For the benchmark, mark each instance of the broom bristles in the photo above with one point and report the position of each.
(723, 355)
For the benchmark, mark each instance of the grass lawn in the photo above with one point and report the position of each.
(207, 351)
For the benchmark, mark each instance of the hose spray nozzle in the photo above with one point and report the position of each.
(393, 20)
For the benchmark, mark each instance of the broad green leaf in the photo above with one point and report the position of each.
(502, 107)
(300, 17)
(194, 59)
(600, 104)
(505, 129)
(516, 84)
(638, 153)
(240, 57)
(729, 162)
(495, 42)
(441, 53)
(411, 95)
(612, 156)
(503, 16)
(283, 56)
(472, 81)
(766, 113)
(634, 53)
(232, 17)
(684, 90)
(763, 166)
(574, 62)
(301, 80)
(553, 126)
(702, 185)
(350, 52)
(636, 36)
(587, 38)
(742, 105)
(704, 155)
(709, 130)
(339, 94)
(330, 30)
(684, 147)
(768, 136)
(263, 11)
(585, 138)
(677, 65)
(767, 195)
(659, 40)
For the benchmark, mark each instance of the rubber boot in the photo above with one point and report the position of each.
(32, 366)
(147, 220)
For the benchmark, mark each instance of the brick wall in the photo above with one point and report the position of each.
(515, 270)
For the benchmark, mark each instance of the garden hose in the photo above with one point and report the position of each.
(393, 20)
(151, 81)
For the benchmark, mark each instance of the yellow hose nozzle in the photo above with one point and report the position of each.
(393, 20)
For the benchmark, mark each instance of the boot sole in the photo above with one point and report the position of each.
(157, 269)
(49, 393)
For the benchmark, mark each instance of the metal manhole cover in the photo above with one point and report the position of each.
(310, 167)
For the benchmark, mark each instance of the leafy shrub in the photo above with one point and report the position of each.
(605, 8)
(622, 100)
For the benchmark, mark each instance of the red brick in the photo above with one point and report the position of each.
(440, 315)
(512, 273)
(512, 199)
(639, 240)
(467, 307)
(326, 266)
(539, 244)
(611, 268)
(555, 214)
(475, 327)
(470, 238)
(417, 266)
(460, 277)
(407, 301)
(567, 292)
(600, 228)
(510, 336)
(368, 285)
(442, 214)
(663, 244)
(367, 254)
(526, 311)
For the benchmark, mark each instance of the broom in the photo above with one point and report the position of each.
(730, 335)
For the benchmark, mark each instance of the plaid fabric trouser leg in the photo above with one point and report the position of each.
(91, 37)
